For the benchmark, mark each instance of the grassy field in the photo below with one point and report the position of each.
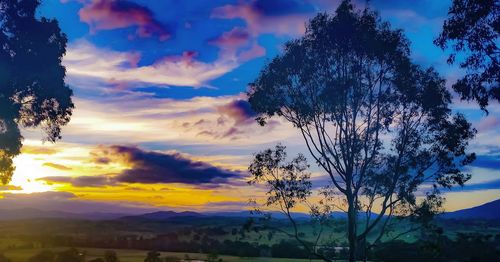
(22, 255)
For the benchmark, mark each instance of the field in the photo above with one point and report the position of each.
(196, 237)
(22, 255)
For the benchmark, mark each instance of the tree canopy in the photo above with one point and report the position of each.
(32, 88)
(472, 30)
(379, 125)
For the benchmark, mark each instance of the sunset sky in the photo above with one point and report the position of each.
(161, 121)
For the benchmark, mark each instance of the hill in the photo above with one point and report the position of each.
(490, 211)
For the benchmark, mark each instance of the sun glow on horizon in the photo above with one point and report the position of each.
(28, 170)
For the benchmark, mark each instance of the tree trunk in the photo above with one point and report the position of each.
(351, 228)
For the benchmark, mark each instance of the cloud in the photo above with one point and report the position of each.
(57, 166)
(84, 60)
(146, 119)
(38, 150)
(238, 43)
(149, 167)
(487, 161)
(10, 188)
(236, 37)
(114, 14)
(282, 17)
(494, 184)
(81, 181)
(489, 123)
(239, 110)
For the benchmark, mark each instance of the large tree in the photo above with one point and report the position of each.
(32, 88)
(472, 30)
(379, 126)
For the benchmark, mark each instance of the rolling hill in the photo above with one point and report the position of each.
(490, 211)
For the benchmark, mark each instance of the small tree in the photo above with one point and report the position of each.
(378, 125)
(32, 88)
(288, 186)
(473, 28)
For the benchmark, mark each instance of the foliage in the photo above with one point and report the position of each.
(379, 125)
(472, 29)
(466, 247)
(288, 182)
(32, 88)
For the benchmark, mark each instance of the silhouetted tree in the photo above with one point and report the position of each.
(32, 88)
(472, 28)
(377, 124)
(287, 185)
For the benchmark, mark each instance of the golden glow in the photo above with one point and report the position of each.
(72, 160)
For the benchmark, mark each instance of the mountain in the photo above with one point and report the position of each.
(29, 213)
(162, 215)
(276, 215)
(490, 211)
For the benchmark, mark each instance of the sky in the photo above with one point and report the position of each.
(161, 121)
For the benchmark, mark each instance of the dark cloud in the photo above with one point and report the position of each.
(492, 162)
(82, 181)
(495, 184)
(236, 37)
(57, 166)
(239, 110)
(233, 133)
(149, 167)
(282, 7)
(114, 14)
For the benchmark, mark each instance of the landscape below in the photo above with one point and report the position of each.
(232, 236)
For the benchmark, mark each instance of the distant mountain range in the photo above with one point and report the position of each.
(29, 213)
(490, 211)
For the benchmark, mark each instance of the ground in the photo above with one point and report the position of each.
(22, 255)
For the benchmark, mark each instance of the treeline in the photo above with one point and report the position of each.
(464, 247)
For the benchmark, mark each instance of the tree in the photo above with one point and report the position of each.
(288, 185)
(472, 29)
(32, 88)
(379, 126)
